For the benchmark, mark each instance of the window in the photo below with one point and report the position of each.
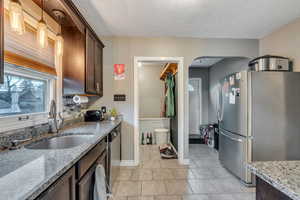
(22, 95)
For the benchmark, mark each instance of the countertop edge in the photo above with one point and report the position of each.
(273, 182)
(36, 192)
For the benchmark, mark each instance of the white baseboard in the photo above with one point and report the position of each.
(128, 163)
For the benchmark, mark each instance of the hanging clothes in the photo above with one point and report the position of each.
(170, 101)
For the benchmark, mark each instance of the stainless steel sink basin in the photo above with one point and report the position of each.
(61, 142)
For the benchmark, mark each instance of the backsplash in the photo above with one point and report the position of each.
(72, 113)
(22, 134)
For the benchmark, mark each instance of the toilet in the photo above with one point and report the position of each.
(161, 136)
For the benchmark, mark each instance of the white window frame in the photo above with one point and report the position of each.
(12, 122)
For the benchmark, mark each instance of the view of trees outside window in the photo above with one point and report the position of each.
(21, 95)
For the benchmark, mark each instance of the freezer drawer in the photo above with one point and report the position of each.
(233, 154)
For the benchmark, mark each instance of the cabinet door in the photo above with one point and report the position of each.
(63, 188)
(1, 42)
(85, 186)
(90, 85)
(99, 68)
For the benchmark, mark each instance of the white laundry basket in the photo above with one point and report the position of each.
(161, 136)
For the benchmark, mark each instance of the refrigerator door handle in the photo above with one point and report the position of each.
(234, 139)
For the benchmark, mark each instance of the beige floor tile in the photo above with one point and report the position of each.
(168, 197)
(150, 164)
(183, 173)
(129, 188)
(203, 173)
(221, 197)
(192, 164)
(244, 196)
(118, 198)
(221, 172)
(141, 198)
(195, 197)
(162, 174)
(208, 163)
(172, 163)
(125, 174)
(178, 187)
(115, 187)
(142, 175)
(203, 179)
(153, 188)
(203, 186)
(228, 185)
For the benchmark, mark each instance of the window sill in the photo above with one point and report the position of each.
(8, 123)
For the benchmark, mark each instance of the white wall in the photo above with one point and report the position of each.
(151, 90)
(284, 42)
(123, 49)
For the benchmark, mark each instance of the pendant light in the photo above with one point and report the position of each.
(59, 41)
(16, 17)
(42, 30)
(59, 45)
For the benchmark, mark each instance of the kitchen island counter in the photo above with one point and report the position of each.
(283, 176)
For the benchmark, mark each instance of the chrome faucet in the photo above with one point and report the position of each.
(53, 115)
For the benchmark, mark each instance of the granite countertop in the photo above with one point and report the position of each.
(25, 173)
(282, 175)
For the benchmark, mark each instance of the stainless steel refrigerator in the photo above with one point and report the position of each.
(259, 116)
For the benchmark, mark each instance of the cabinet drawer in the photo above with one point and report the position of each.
(87, 161)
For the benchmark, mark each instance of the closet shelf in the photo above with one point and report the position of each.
(169, 68)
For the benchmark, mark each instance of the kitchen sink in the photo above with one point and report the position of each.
(61, 142)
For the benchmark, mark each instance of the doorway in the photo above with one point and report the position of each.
(180, 103)
(195, 108)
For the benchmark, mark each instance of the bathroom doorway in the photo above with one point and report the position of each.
(150, 110)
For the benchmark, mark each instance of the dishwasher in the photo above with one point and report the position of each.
(114, 155)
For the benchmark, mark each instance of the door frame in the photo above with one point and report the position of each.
(182, 98)
(200, 98)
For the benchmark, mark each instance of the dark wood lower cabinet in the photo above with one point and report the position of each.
(78, 183)
(85, 187)
(265, 191)
(63, 189)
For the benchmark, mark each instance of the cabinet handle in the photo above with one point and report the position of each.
(97, 87)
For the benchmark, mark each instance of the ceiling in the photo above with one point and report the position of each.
(205, 62)
(189, 18)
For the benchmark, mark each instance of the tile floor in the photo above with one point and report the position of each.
(157, 179)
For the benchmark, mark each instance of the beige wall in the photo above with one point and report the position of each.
(151, 90)
(283, 42)
(123, 49)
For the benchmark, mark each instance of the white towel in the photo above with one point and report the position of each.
(100, 192)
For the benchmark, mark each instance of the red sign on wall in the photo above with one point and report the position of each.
(119, 71)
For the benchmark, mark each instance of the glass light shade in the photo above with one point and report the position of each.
(16, 17)
(42, 34)
(59, 45)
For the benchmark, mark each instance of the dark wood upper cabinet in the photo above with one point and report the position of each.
(90, 85)
(94, 66)
(1, 41)
(99, 68)
(82, 60)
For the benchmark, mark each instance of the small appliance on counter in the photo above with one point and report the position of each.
(270, 63)
(93, 115)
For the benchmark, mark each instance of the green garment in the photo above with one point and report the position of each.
(170, 110)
